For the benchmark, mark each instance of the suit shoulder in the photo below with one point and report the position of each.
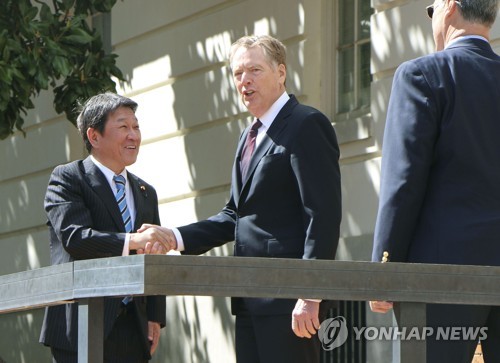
(141, 182)
(431, 62)
(306, 109)
(309, 123)
(304, 113)
(413, 65)
(73, 167)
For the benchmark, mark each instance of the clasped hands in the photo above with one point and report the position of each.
(152, 239)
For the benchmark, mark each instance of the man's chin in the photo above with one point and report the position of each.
(130, 160)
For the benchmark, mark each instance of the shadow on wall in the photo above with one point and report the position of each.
(207, 110)
(398, 33)
(24, 331)
(199, 94)
(184, 339)
(25, 165)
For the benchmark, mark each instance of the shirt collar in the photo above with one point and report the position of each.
(268, 117)
(466, 37)
(108, 173)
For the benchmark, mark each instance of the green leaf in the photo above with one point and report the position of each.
(3, 39)
(45, 14)
(78, 36)
(17, 74)
(14, 45)
(41, 46)
(31, 14)
(61, 66)
(42, 81)
(104, 6)
(67, 4)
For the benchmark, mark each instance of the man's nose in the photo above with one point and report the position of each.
(246, 78)
(134, 134)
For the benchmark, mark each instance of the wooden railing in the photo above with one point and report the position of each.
(413, 285)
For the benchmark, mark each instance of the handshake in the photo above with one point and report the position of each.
(152, 239)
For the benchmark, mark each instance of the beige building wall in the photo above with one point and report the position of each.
(25, 166)
(173, 54)
(191, 118)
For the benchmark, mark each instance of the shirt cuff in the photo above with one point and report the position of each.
(126, 251)
(180, 241)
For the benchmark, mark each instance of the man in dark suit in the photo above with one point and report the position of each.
(440, 187)
(86, 220)
(285, 202)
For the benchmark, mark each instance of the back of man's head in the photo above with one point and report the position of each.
(483, 12)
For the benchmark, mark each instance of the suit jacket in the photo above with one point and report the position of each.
(440, 186)
(84, 223)
(288, 207)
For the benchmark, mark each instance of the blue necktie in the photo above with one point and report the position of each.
(122, 202)
(122, 205)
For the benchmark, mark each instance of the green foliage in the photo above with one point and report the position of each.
(46, 44)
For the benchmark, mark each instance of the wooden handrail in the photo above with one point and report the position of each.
(89, 281)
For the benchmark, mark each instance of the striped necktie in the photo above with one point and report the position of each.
(122, 205)
(122, 202)
(248, 148)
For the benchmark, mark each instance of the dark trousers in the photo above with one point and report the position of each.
(462, 316)
(270, 339)
(123, 345)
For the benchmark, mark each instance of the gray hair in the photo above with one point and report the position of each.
(94, 113)
(479, 11)
(274, 50)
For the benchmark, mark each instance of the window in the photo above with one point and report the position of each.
(353, 56)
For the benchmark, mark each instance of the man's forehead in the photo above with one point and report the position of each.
(248, 57)
(122, 114)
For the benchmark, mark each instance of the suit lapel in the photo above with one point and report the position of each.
(100, 185)
(259, 152)
(269, 139)
(236, 187)
(139, 193)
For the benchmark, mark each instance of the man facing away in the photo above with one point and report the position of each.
(440, 186)
(285, 202)
(93, 206)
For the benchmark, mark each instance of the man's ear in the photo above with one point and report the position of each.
(282, 72)
(93, 136)
(450, 8)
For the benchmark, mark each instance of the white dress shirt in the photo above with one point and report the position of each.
(267, 120)
(466, 37)
(109, 174)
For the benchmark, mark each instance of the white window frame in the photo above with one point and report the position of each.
(355, 125)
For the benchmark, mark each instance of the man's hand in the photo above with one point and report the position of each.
(154, 239)
(170, 236)
(153, 335)
(380, 306)
(305, 318)
(151, 248)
